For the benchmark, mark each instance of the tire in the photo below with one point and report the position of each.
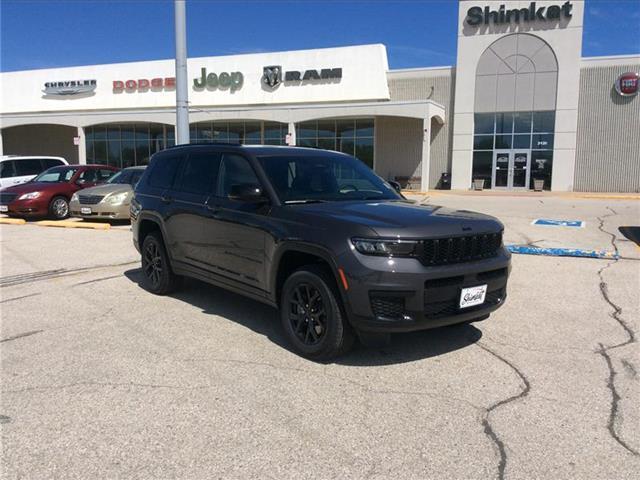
(317, 330)
(59, 208)
(157, 276)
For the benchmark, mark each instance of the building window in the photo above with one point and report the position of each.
(245, 132)
(530, 131)
(125, 145)
(354, 136)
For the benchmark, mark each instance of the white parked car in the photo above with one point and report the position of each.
(15, 169)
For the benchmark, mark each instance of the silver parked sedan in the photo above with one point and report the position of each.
(109, 201)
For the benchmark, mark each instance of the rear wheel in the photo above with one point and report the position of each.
(311, 314)
(157, 276)
(59, 208)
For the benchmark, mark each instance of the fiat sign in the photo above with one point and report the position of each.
(627, 84)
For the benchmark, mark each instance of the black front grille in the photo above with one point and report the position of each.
(443, 251)
(387, 306)
(90, 199)
(451, 307)
(6, 198)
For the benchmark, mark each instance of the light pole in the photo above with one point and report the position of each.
(182, 92)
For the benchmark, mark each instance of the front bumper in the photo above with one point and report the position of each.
(100, 211)
(401, 295)
(27, 208)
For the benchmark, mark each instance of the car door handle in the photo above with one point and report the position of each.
(164, 199)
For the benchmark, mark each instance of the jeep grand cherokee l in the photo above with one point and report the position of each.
(319, 236)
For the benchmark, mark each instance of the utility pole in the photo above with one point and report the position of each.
(182, 91)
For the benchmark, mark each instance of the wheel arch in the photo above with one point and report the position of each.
(293, 255)
(147, 223)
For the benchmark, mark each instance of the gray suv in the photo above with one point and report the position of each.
(316, 234)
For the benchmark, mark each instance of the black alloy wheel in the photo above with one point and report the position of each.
(157, 276)
(153, 264)
(312, 316)
(307, 314)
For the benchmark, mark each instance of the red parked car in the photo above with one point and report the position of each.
(49, 193)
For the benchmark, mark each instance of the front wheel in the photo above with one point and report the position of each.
(311, 314)
(59, 208)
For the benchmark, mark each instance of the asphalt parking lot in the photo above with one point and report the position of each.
(102, 379)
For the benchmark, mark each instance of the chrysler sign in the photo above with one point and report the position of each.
(69, 87)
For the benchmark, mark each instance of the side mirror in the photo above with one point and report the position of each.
(248, 193)
(396, 186)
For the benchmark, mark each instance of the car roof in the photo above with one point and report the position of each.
(137, 167)
(261, 150)
(96, 165)
(26, 157)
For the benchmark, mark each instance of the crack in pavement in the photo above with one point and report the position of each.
(21, 335)
(488, 429)
(21, 297)
(96, 280)
(603, 351)
(615, 401)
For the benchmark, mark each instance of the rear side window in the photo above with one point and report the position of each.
(7, 169)
(51, 162)
(200, 173)
(163, 171)
(28, 166)
(235, 170)
(88, 176)
(104, 174)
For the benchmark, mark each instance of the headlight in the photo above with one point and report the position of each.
(74, 197)
(386, 248)
(29, 196)
(117, 198)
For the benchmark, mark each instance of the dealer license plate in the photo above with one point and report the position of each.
(85, 210)
(4, 208)
(472, 296)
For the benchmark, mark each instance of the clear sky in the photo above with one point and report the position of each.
(59, 33)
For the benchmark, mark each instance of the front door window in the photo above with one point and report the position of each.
(511, 169)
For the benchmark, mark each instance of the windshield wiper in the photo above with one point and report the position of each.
(304, 200)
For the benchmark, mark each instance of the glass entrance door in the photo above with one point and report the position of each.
(511, 169)
(520, 169)
(501, 169)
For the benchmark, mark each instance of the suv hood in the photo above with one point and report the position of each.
(404, 219)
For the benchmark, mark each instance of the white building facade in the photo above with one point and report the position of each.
(520, 105)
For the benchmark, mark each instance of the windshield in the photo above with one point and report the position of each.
(120, 177)
(56, 175)
(324, 178)
(127, 176)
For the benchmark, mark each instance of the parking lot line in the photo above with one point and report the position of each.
(72, 224)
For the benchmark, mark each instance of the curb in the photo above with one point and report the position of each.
(563, 252)
(12, 221)
(68, 224)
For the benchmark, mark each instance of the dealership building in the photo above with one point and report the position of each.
(520, 109)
